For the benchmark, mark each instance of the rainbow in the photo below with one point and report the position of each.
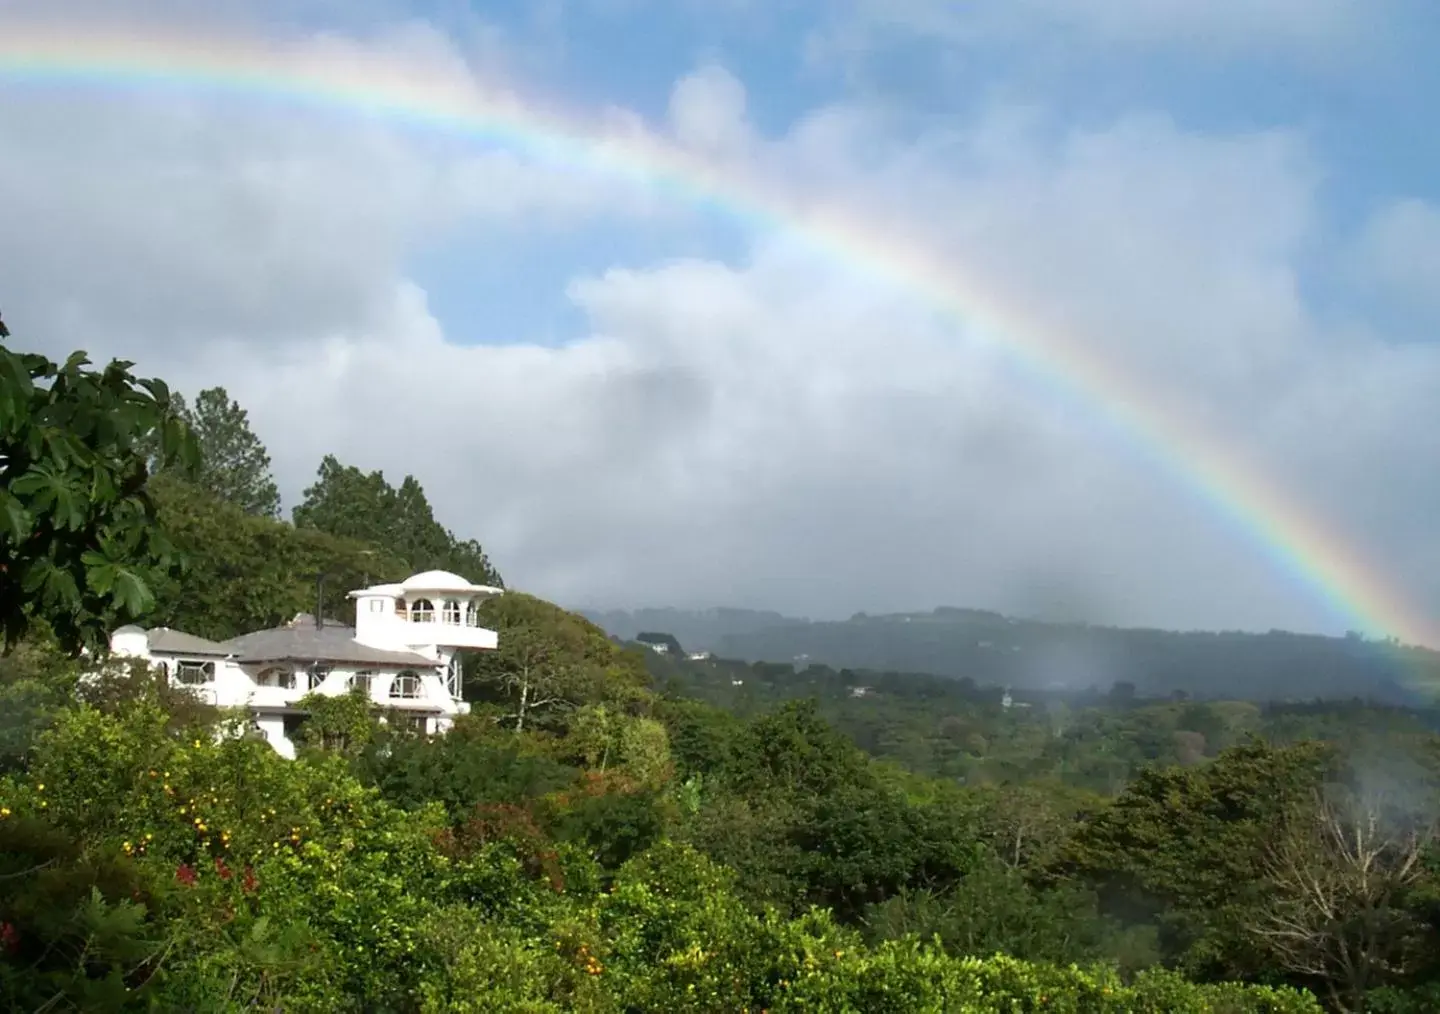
(335, 75)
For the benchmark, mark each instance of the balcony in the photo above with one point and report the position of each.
(450, 631)
(422, 622)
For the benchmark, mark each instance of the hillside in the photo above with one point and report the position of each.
(957, 730)
(612, 829)
(990, 648)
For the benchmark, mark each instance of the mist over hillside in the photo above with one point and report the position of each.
(992, 648)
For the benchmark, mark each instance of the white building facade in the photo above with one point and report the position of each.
(402, 653)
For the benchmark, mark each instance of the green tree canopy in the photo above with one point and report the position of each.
(247, 572)
(346, 502)
(551, 660)
(1189, 845)
(233, 462)
(79, 543)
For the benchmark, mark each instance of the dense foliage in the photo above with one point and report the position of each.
(352, 504)
(148, 864)
(234, 465)
(78, 541)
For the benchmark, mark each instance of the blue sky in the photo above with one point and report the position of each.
(633, 401)
(1360, 101)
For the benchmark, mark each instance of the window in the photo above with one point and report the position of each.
(315, 675)
(277, 676)
(422, 611)
(472, 615)
(407, 685)
(400, 608)
(452, 612)
(418, 724)
(362, 682)
(377, 605)
(454, 675)
(194, 674)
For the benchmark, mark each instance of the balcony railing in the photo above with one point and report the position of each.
(442, 620)
(449, 612)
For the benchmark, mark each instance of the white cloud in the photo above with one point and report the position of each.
(783, 431)
(707, 112)
(1398, 254)
(169, 219)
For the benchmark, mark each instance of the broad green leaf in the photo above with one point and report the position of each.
(132, 593)
(14, 518)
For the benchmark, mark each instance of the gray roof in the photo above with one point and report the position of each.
(177, 642)
(305, 643)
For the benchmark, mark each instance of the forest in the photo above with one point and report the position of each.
(664, 834)
(991, 648)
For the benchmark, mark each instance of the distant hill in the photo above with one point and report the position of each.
(697, 630)
(991, 648)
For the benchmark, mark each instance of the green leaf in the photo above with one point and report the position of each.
(100, 573)
(132, 593)
(158, 389)
(14, 374)
(14, 518)
(36, 575)
(60, 586)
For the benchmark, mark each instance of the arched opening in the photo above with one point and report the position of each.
(406, 686)
(422, 611)
(472, 615)
(400, 608)
(452, 612)
(278, 676)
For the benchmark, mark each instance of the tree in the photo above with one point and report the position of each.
(79, 543)
(1340, 873)
(1183, 845)
(347, 502)
(538, 668)
(551, 660)
(246, 572)
(233, 462)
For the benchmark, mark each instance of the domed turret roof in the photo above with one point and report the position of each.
(437, 580)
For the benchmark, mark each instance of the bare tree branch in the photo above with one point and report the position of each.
(1338, 874)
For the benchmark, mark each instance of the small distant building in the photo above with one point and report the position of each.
(737, 683)
(402, 653)
(661, 644)
(860, 691)
(701, 656)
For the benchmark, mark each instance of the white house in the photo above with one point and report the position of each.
(401, 651)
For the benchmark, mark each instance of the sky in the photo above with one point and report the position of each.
(634, 395)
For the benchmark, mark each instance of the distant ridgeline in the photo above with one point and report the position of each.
(994, 649)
